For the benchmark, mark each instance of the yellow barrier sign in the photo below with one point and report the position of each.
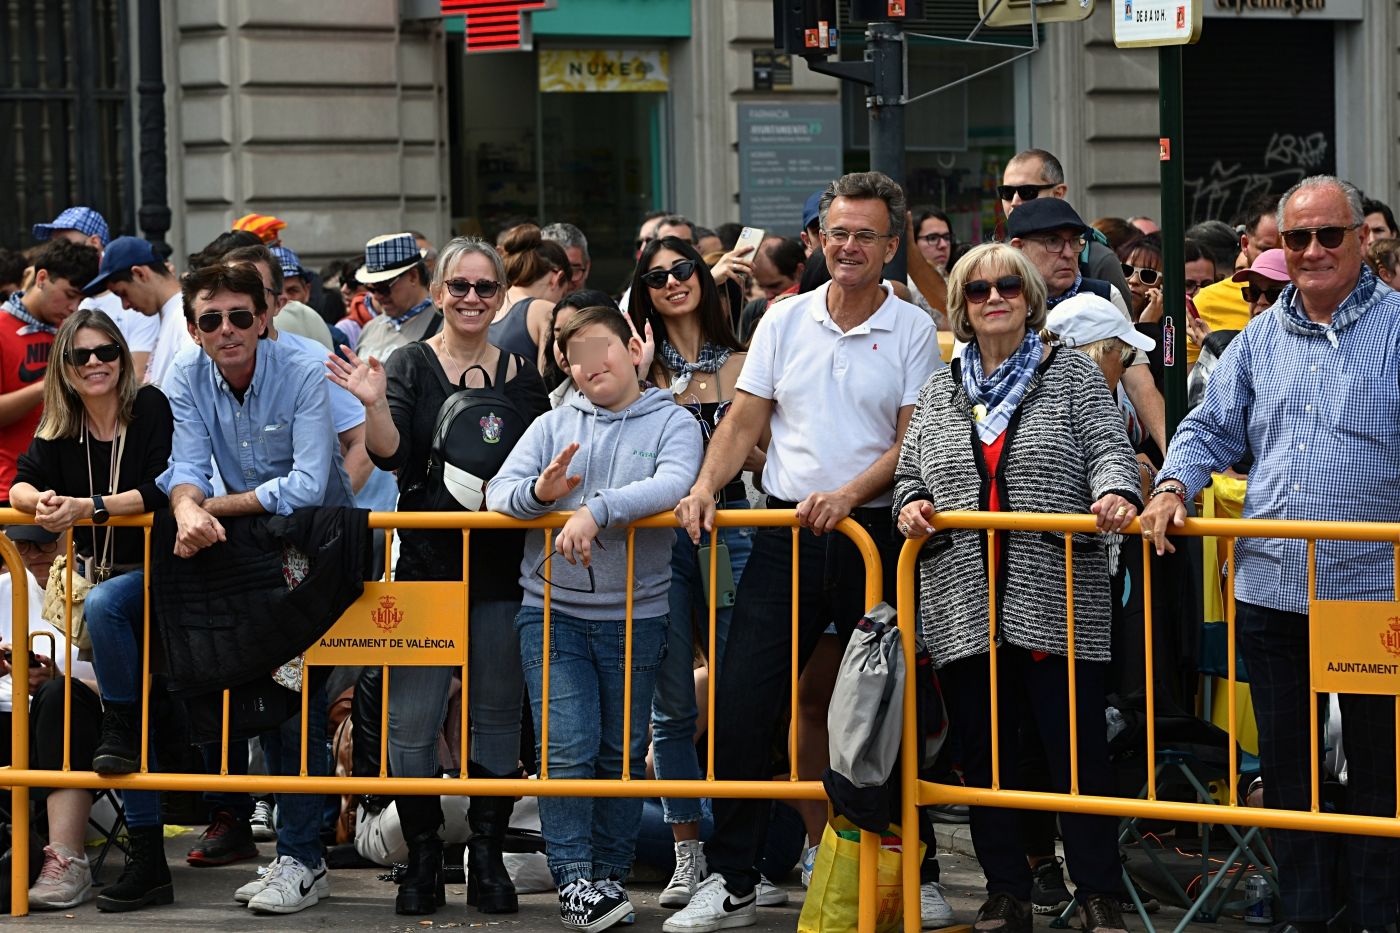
(1355, 646)
(418, 624)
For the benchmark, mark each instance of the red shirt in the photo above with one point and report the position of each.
(24, 358)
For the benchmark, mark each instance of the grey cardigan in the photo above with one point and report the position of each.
(1064, 449)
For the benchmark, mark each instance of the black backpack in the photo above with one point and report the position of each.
(476, 430)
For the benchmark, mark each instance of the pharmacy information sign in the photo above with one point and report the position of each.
(1143, 23)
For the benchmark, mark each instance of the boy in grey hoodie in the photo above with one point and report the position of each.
(633, 454)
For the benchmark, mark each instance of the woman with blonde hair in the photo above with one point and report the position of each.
(96, 453)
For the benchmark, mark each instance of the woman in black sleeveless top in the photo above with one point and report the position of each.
(537, 271)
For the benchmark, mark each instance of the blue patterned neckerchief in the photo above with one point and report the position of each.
(1069, 293)
(710, 360)
(1368, 288)
(411, 313)
(16, 307)
(995, 397)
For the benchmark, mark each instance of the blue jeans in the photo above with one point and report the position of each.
(591, 838)
(299, 815)
(114, 611)
(673, 711)
(418, 699)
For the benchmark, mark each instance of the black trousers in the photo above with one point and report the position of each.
(1042, 687)
(46, 713)
(1275, 648)
(753, 688)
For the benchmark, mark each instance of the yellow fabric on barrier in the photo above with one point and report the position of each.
(1224, 498)
(832, 898)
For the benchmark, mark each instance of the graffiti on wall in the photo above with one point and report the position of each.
(1224, 190)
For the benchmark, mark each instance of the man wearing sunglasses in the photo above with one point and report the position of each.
(1220, 306)
(259, 413)
(1310, 389)
(847, 359)
(397, 279)
(1052, 235)
(1037, 174)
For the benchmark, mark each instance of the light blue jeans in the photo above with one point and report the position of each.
(586, 837)
(673, 711)
(418, 699)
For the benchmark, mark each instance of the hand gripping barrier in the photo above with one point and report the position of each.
(19, 777)
(1351, 631)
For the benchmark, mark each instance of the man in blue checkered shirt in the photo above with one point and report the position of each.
(1312, 388)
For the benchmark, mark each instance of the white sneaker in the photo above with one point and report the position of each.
(690, 869)
(934, 911)
(64, 881)
(768, 894)
(264, 826)
(809, 862)
(291, 886)
(713, 908)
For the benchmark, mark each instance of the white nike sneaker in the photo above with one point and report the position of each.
(768, 894)
(690, 869)
(714, 908)
(289, 886)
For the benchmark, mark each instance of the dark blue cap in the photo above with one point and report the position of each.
(812, 209)
(123, 253)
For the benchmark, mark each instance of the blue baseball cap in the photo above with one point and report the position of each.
(85, 220)
(812, 209)
(125, 252)
(289, 261)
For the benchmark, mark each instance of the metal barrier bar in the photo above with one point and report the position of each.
(1148, 673)
(992, 656)
(1069, 666)
(1313, 751)
(910, 746)
(19, 725)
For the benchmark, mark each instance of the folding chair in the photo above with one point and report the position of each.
(111, 834)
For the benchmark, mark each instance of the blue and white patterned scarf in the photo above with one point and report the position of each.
(995, 397)
(1069, 292)
(16, 307)
(1368, 289)
(711, 359)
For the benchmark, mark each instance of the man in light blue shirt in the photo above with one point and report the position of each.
(1312, 388)
(259, 412)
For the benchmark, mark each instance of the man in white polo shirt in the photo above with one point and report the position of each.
(834, 374)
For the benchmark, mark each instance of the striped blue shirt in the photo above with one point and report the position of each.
(1319, 407)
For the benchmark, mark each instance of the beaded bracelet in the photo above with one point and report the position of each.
(1174, 488)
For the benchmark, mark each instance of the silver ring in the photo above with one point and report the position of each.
(904, 528)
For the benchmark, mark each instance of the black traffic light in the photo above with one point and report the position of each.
(805, 27)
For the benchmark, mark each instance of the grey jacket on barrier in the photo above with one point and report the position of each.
(1064, 449)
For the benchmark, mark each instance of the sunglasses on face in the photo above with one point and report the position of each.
(211, 321)
(1145, 276)
(1193, 286)
(384, 288)
(1330, 237)
(461, 288)
(1027, 192)
(572, 589)
(107, 353)
(980, 290)
(1252, 294)
(656, 278)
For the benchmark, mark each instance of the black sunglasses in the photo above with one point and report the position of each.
(559, 586)
(1145, 276)
(1330, 237)
(1252, 294)
(978, 291)
(656, 278)
(107, 353)
(384, 288)
(461, 288)
(1027, 192)
(211, 321)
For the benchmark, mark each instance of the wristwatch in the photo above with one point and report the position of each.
(99, 511)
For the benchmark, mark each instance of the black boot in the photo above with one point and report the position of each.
(119, 752)
(489, 888)
(421, 889)
(146, 878)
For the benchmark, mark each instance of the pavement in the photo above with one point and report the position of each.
(360, 902)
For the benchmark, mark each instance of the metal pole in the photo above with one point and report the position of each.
(88, 149)
(885, 48)
(154, 214)
(1173, 233)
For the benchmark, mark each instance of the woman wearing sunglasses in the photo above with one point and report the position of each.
(698, 358)
(96, 453)
(1142, 267)
(1014, 425)
(402, 402)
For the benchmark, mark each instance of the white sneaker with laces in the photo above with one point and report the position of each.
(713, 908)
(690, 869)
(264, 828)
(64, 880)
(768, 894)
(934, 911)
(809, 862)
(289, 886)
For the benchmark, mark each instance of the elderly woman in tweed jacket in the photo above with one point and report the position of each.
(1013, 425)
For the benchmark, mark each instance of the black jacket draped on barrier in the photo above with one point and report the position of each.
(227, 616)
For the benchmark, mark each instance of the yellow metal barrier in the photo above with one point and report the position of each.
(19, 777)
(1232, 813)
